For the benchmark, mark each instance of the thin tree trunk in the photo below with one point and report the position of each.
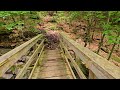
(94, 28)
(87, 36)
(101, 43)
(118, 47)
(13, 19)
(93, 35)
(113, 48)
(85, 44)
(102, 39)
(111, 51)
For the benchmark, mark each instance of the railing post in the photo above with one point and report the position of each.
(91, 75)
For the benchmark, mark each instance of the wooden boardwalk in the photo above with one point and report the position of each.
(54, 66)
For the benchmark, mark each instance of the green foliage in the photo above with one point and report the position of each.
(34, 17)
(53, 27)
(15, 13)
(13, 68)
(107, 21)
(61, 17)
(4, 14)
(2, 23)
(18, 24)
(10, 26)
(42, 14)
(110, 29)
(73, 15)
(32, 29)
(14, 25)
(106, 27)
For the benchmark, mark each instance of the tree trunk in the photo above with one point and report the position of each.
(85, 44)
(113, 47)
(118, 47)
(111, 51)
(87, 36)
(95, 21)
(93, 35)
(101, 43)
(13, 19)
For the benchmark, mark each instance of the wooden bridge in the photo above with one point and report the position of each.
(70, 60)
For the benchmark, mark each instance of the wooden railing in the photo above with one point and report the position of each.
(35, 57)
(10, 58)
(99, 67)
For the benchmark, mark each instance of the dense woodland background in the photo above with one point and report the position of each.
(97, 30)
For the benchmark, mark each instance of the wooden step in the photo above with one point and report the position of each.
(53, 63)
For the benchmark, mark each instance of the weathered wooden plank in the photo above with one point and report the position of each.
(53, 63)
(80, 73)
(36, 64)
(106, 68)
(60, 77)
(99, 72)
(24, 69)
(45, 74)
(53, 67)
(8, 59)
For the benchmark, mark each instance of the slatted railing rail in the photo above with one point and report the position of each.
(68, 56)
(35, 57)
(99, 67)
(9, 59)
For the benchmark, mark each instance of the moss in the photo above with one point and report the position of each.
(2, 78)
(83, 68)
(116, 58)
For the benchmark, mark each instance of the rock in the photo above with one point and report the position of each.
(13, 45)
(22, 59)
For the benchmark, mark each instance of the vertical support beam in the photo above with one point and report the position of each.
(77, 60)
(35, 47)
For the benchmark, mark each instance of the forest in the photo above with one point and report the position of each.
(98, 31)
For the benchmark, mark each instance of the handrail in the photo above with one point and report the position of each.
(80, 73)
(8, 59)
(34, 55)
(102, 68)
(33, 75)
